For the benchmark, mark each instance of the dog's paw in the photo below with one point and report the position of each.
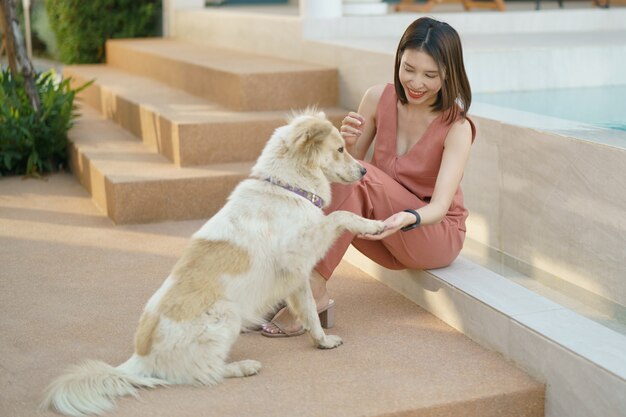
(373, 227)
(250, 367)
(329, 342)
(241, 369)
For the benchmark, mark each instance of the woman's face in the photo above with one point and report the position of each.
(419, 76)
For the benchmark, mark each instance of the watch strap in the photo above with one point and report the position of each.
(412, 226)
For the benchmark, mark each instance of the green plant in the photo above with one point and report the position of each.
(44, 39)
(32, 143)
(82, 27)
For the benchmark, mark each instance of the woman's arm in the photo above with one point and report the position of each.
(358, 129)
(455, 154)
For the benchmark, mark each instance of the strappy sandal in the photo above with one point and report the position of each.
(327, 320)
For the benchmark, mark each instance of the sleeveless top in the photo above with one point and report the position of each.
(418, 168)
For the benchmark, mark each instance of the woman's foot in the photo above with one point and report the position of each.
(284, 324)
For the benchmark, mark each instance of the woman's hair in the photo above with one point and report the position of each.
(442, 43)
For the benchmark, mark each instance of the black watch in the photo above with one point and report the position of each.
(412, 226)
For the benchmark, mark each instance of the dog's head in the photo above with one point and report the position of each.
(315, 144)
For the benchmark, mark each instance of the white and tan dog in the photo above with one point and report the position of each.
(259, 249)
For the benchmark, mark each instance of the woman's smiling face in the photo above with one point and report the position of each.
(420, 77)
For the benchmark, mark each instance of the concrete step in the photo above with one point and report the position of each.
(546, 333)
(133, 184)
(237, 80)
(186, 129)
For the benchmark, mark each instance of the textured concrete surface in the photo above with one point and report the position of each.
(240, 81)
(73, 286)
(133, 184)
(185, 128)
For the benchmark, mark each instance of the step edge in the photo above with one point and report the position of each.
(244, 99)
(171, 148)
(476, 406)
(125, 138)
(422, 287)
(305, 66)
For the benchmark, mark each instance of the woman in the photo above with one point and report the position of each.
(423, 140)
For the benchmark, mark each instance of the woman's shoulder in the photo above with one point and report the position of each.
(373, 95)
(378, 89)
(462, 129)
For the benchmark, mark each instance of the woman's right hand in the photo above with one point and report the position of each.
(352, 127)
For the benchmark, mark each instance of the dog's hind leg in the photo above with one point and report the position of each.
(302, 303)
(243, 368)
(211, 337)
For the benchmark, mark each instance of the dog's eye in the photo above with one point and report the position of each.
(340, 150)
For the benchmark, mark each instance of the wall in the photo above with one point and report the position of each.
(553, 202)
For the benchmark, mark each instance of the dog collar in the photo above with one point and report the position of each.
(313, 198)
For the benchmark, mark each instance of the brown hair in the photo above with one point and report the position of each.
(442, 43)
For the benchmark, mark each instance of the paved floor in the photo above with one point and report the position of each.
(72, 286)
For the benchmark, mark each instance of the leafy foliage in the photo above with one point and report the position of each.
(82, 27)
(32, 143)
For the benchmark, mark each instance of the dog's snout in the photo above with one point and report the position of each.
(363, 171)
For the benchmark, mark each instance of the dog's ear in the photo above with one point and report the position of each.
(310, 133)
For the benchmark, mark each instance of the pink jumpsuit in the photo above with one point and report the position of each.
(394, 183)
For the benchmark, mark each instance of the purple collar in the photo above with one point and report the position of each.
(313, 198)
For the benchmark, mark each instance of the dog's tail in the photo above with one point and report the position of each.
(91, 387)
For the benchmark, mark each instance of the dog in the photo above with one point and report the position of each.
(257, 251)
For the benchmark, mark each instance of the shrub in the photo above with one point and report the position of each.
(44, 39)
(82, 27)
(32, 143)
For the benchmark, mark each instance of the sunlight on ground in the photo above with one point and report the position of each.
(90, 237)
(58, 211)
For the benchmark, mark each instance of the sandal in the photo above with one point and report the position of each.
(255, 328)
(327, 320)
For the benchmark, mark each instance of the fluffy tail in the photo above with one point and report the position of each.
(91, 388)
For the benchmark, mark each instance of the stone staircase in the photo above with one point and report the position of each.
(168, 128)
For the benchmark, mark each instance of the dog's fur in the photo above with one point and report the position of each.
(258, 250)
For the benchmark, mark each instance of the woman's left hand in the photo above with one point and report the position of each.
(392, 225)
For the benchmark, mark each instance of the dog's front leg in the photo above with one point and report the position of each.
(320, 236)
(302, 303)
(344, 220)
(242, 368)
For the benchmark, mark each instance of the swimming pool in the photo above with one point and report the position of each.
(595, 114)
(603, 107)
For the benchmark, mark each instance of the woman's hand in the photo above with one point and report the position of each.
(352, 127)
(392, 225)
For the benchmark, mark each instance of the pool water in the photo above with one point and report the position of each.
(603, 107)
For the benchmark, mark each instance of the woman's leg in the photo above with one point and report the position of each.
(369, 198)
(285, 320)
(425, 247)
(378, 196)
(344, 197)
(351, 197)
